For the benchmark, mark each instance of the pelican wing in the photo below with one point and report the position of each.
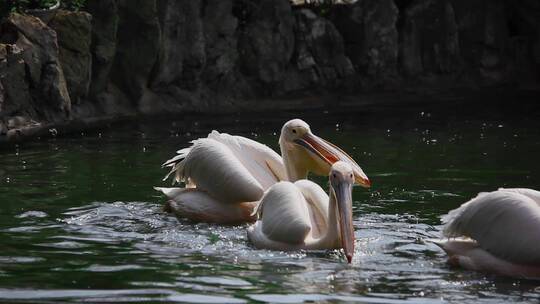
(231, 168)
(317, 201)
(284, 214)
(263, 163)
(505, 223)
(213, 168)
(532, 194)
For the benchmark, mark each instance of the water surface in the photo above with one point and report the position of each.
(80, 222)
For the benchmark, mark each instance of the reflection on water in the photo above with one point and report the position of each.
(79, 220)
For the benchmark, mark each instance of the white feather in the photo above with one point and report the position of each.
(317, 201)
(214, 168)
(285, 214)
(292, 216)
(199, 206)
(233, 169)
(467, 254)
(261, 161)
(505, 223)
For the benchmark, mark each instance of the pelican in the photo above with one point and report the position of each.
(300, 215)
(226, 176)
(497, 232)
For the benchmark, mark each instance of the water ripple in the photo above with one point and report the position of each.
(79, 221)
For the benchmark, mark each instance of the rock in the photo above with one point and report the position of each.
(129, 57)
(483, 37)
(266, 41)
(45, 14)
(13, 134)
(524, 34)
(138, 46)
(320, 49)
(220, 26)
(2, 96)
(370, 35)
(3, 63)
(182, 56)
(3, 128)
(15, 90)
(113, 102)
(430, 38)
(103, 48)
(469, 38)
(223, 71)
(17, 122)
(176, 81)
(74, 37)
(43, 71)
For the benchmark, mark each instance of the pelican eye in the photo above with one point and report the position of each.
(333, 175)
(350, 175)
(294, 131)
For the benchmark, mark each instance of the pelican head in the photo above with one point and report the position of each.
(304, 152)
(341, 181)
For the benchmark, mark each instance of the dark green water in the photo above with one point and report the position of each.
(80, 222)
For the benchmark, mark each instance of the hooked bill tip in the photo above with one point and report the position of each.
(349, 257)
(368, 182)
(364, 182)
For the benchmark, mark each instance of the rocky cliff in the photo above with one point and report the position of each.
(129, 57)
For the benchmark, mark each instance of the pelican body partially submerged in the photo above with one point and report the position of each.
(301, 215)
(496, 232)
(225, 176)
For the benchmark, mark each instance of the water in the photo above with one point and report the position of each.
(80, 222)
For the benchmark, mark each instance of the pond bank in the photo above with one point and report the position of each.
(151, 57)
(474, 100)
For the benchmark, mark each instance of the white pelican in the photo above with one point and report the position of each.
(497, 232)
(300, 215)
(226, 175)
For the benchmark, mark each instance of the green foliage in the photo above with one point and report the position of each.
(73, 5)
(7, 6)
(21, 5)
(321, 7)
